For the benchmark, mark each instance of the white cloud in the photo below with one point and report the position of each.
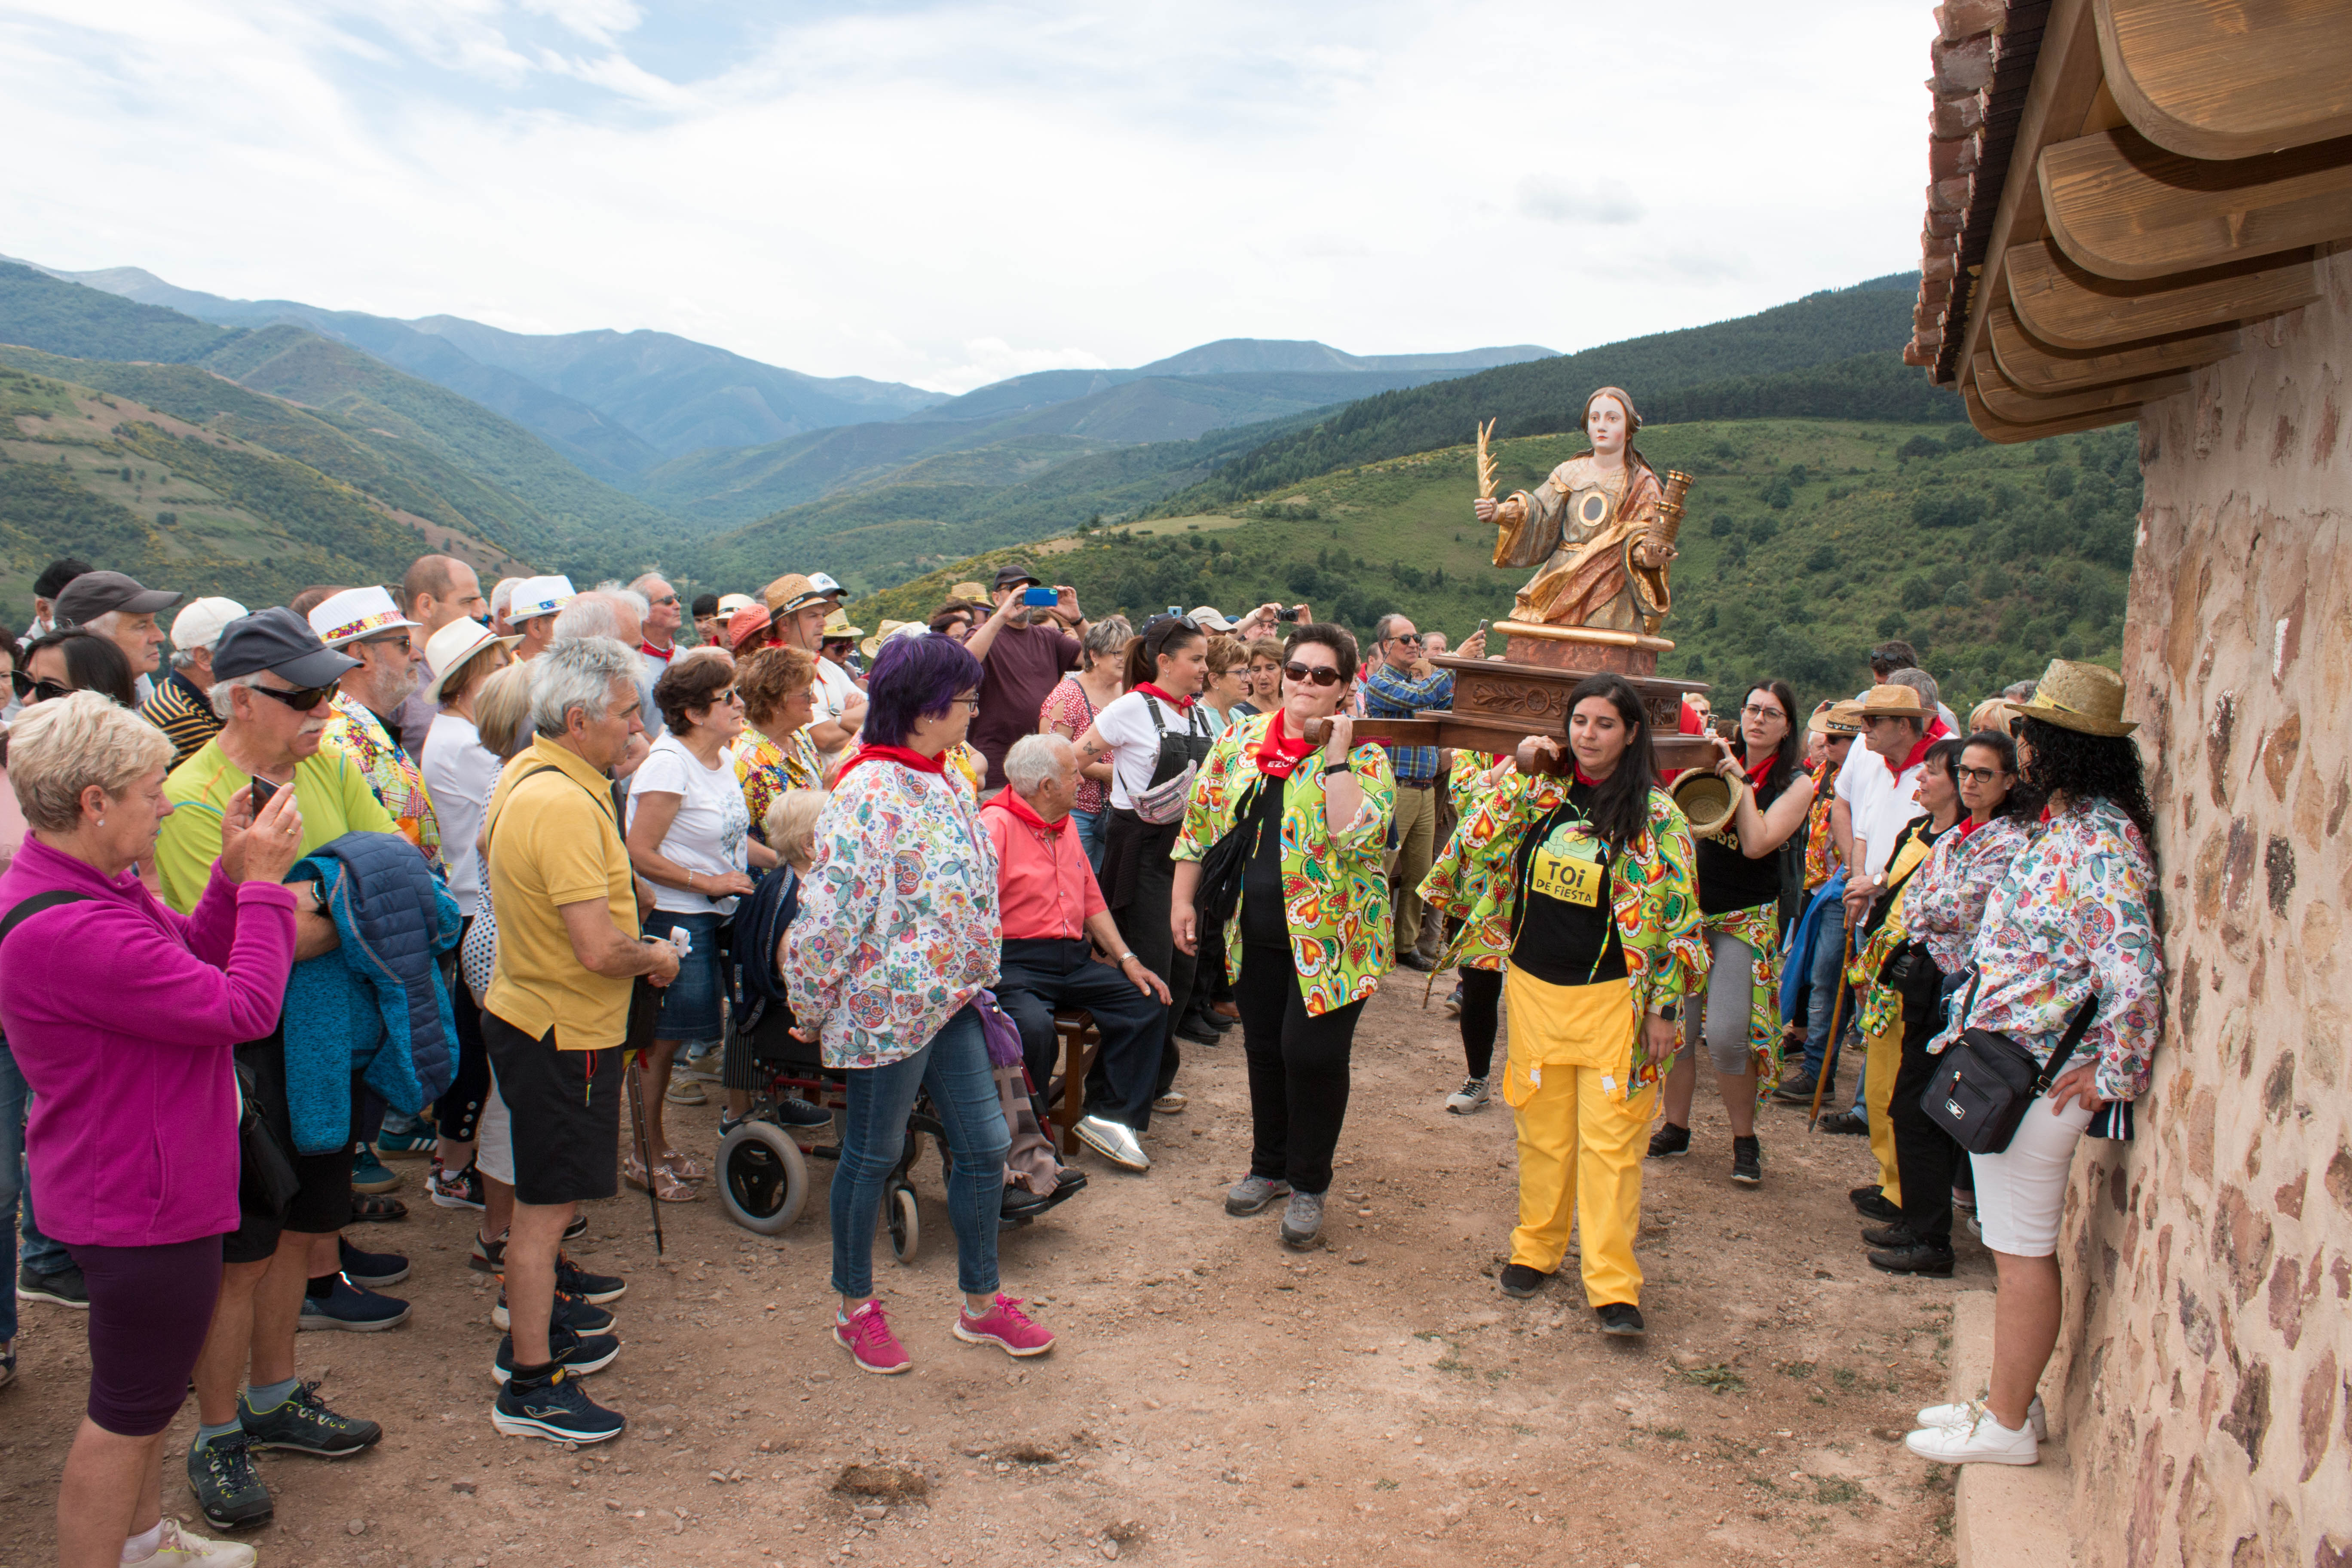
(936, 192)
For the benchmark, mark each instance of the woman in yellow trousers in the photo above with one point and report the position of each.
(1584, 882)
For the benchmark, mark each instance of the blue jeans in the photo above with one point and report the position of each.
(954, 1066)
(1829, 950)
(45, 1256)
(1094, 830)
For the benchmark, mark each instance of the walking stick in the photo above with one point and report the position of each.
(644, 1156)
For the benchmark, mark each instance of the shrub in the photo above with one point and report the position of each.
(2058, 482)
(1777, 494)
(1825, 556)
(1921, 447)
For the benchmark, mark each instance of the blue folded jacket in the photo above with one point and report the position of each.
(376, 1007)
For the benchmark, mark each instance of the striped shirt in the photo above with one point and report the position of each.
(183, 712)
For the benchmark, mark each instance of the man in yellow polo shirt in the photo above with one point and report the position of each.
(558, 1010)
(273, 683)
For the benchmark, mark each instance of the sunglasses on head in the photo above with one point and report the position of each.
(29, 691)
(301, 699)
(1320, 674)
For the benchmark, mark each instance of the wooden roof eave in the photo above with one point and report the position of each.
(2227, 81)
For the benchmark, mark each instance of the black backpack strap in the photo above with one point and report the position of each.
(30, 907)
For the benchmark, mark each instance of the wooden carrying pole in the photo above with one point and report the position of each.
(1829, 1051)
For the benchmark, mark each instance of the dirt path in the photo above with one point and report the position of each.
(1214, 1399)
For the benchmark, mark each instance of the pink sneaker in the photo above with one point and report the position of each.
(866, 1335)
(1005, 1326)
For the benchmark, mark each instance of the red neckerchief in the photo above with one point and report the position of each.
(1179, 703)
(1935, 731)
(1587, 780)
(1277, 752)
(1755, 773)
(899, 754)
(1968, 824)
(1021, 811)
(2044, 818)
(663, 653)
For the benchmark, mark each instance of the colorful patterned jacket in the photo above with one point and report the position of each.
(1949, 892)
(1335, 889)
(1654, 889)
(392, 774)
(767, 769)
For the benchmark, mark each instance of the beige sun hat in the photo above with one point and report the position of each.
(1836, 718)
(887, 630)
(2087, 698)
(1896, 702)
(837, 626)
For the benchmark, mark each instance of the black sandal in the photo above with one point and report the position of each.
(376, 1209)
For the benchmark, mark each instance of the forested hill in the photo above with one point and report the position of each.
(1833, 354)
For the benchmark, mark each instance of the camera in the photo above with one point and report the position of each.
(1290, 614)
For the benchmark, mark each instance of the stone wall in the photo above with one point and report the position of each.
(2206, 1361)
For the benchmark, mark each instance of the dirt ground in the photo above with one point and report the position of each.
(1214, 1399)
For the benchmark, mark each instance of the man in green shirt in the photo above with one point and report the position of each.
(274, 685)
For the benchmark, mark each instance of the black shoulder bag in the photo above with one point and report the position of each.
(1985, 1081)
(1227, 862)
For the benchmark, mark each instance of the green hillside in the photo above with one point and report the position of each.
(86, 473)
(60, 317)
(1805, 541)
(1545, 395)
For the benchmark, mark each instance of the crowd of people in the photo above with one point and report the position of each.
(419, 872)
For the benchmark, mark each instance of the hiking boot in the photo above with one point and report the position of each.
(1005, 1326)
(370, 1174)
(1521, 1281)
(1947, 1414)
(370, 1270)
(458, 1189)
(1919, 1258)
(1620, 1318)
(572, 1312)
(573, 1280)
(1748, 1161)
(556, 1409)
(866, 1335)
(303, 1424)
(179, 1547)
(346, 1306)
(1796, 1091)
(1668, 1142)
(63, 1289)
(1853, 1125)
(1470, 1098)
(1896, 1235)
(578, 1354)
(1252, 1193)
(227, 1488)
(1302, 1220)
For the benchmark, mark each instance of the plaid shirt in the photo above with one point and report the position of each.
(1391, 694)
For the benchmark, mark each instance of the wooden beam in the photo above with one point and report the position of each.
(2068, 308)
(2122, 207)
(2042, 370)
(2065, 83)
(2019, 408)
(1993, 427)
(2227, 79)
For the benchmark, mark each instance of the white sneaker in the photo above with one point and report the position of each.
(1471, 1097)
(1945, 1415)
(180, 1549)
(1980, 1439)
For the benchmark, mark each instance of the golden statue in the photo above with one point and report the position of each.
(1600, 530)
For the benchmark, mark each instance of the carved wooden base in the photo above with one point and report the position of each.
(1585, 649)
(1498, 703)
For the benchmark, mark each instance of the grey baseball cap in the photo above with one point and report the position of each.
(93, 594)
(280, 641)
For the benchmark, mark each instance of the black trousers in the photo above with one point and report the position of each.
(1298, 1072)
(1482, 997)
(1042, 975)
(457, 1111)
(1926, 1157)
(1142, 918)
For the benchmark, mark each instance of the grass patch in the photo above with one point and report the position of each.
(1384, 1485)
(1670, 1434)
(1802, 1370)
(1845, 1378)
(1715, 1379)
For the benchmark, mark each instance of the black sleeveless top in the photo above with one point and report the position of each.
(1728, 879)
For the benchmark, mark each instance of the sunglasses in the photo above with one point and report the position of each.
(301, 699)
(1320, 674)
(664, 599)
(1412, 638)
(29, 691)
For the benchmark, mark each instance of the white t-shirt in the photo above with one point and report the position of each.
(461, 773)
(713, 823)
(1879, 801)
(1125, 725)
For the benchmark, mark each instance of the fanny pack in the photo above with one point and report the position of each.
(1985, 1081)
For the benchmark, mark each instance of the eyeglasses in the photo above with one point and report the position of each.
(29, 691)
(1413, 638)
(1763, 711)
(301, 699)
(664, 599)
(970, 702)
(1320, 674)
(392, 639)
(1978, 776)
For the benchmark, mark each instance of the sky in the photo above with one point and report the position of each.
(950, 192)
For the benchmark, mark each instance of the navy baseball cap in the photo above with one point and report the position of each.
(280, 641)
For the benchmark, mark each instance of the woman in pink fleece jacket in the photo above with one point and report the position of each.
(122, 1015)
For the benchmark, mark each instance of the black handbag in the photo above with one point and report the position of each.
(1224, 866)
(1985, 1082)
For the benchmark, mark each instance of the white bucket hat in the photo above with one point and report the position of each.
(356, 613)
(452, 646)
(536, 596)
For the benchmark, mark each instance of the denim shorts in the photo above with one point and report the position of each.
(689, 1009)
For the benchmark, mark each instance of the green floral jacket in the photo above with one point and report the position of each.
(1335, 889)
(1653, 887)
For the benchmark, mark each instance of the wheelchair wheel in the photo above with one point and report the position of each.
(762, 1180)
(906, 1226)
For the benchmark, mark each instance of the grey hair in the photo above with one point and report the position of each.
(223, 705)
(1035, 761)
(578, 672)
(1381, 627)
(61, 747)
(1106, 638)
(620, 590)
(1918, 680)
(650, 574)
(503, 594)
(184, 657)
(589, 614)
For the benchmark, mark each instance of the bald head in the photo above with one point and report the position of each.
(439, 589)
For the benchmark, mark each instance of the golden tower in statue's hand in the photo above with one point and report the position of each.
(1600, 530)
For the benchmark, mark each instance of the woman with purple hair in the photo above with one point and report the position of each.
(898, 932)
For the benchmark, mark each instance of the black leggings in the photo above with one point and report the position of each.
(1482, 997)
(1298, 1072)
(457, 1112)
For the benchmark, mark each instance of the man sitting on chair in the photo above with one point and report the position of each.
(1050, 908)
